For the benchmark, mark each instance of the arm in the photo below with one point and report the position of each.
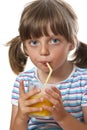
(17, 123)
(70, 123)
(85, 114)
(20, 113)
(63, 118)
(18, 120)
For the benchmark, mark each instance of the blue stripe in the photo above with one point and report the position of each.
(73, 90)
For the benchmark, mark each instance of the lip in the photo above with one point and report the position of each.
(44, 62)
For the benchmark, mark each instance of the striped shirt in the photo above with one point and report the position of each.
(74, 96)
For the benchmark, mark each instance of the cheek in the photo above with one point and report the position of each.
(60, 53)
(60, 56)
(33, 56)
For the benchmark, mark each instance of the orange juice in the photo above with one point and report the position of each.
(45, 102)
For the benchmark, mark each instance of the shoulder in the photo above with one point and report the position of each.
(80, 71)
(26, 75)
(80, 75)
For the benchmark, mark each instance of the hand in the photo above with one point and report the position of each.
(24, 103)
(57, 110)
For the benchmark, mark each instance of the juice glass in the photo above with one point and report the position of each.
(43, 113)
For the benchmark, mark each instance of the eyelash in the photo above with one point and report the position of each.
(54, 41)
(51, 41)
(33, 43)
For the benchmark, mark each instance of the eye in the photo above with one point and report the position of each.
(33, 43)
(54, 41)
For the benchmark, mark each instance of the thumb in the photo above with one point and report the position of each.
(21, 88)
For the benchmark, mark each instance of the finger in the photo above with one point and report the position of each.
(52, 93)
(33, 101)
(34, 109)
(21, 88)
(34, 91)
(48, 108)
(52, 100)
(56, 90)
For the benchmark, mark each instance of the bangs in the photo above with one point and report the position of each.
(36, 19)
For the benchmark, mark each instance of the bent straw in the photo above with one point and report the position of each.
(48, 77)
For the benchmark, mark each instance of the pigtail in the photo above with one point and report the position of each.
(17, 58)
(81, 55)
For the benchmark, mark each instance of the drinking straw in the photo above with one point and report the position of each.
(49, 75)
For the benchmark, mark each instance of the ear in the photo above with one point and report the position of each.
(74, 44)
(71, 47)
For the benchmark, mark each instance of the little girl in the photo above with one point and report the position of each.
(47, 33)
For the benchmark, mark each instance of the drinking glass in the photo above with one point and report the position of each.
(43, 113)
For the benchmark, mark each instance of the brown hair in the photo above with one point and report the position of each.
(33, 23)
(17, 57)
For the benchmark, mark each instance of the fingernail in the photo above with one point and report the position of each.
(38, 90)
(42, 99)
(41, 108)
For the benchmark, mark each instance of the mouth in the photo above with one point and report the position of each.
(44, 63)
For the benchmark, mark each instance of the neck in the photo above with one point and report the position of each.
(62, 73)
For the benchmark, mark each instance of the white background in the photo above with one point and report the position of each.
(10, 11)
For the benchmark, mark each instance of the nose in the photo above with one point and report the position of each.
(44, 50)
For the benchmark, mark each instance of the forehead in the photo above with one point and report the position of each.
(49, 33)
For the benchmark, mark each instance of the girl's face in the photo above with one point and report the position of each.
(52, 49)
